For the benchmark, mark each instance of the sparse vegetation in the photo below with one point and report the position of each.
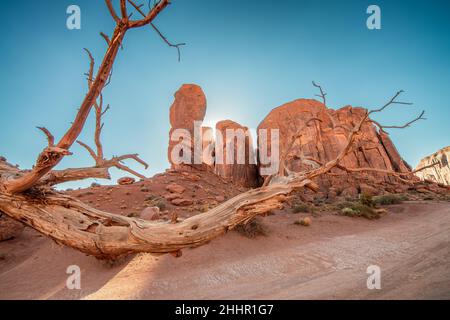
(388, 199)
(366, 200)
(301, 207)
(361, 210)
(155, 201)
(252, 229)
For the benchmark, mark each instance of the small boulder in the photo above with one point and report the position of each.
(220, 199)
(183, 202)
(150, 214)
(172, 196)
(175, 188)
(126, 181)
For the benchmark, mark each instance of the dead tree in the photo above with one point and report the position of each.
(27, 196)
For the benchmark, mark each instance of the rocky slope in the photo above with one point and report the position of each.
(440, 173)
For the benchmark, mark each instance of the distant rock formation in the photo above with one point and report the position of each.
(321, 133)
(241, 171)
(439, 173)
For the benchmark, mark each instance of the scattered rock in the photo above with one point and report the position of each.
(172, 196)
(220, 199)
(183, 202)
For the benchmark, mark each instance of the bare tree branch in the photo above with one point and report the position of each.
(177, 46)
(322, 93)
(105, 37)
(50, 157)
(50, 137)
(112, 11)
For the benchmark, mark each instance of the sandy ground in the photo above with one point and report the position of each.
(327, 260)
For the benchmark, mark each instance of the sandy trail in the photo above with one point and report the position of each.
(328, 260)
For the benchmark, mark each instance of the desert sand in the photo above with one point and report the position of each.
(327, 260)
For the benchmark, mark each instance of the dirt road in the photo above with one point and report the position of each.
(327, 260)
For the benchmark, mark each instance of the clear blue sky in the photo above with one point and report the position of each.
(249, 57)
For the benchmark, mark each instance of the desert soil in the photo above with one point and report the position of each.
(327, 260)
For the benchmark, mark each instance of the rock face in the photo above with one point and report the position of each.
(188, 107)
(440, 173)
(235, 157)
(321, 133)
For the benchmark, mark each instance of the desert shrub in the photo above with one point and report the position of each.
(252, 229)
(366, 200)
(301, 207)
(349, 212)
(388, 199)
(303, 222)
(155, 201)
(360, 210)
(160, 203)
(342, 205)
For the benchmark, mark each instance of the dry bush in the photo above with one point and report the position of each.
(388, 199)
(252, 229)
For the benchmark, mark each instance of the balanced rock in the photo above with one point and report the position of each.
(188, 108)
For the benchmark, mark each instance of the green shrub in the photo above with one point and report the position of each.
(388, 199)
(349, 212)
(360, 210)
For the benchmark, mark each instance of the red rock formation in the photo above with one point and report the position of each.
(236, 164)
(189, 106)
(321, 134)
